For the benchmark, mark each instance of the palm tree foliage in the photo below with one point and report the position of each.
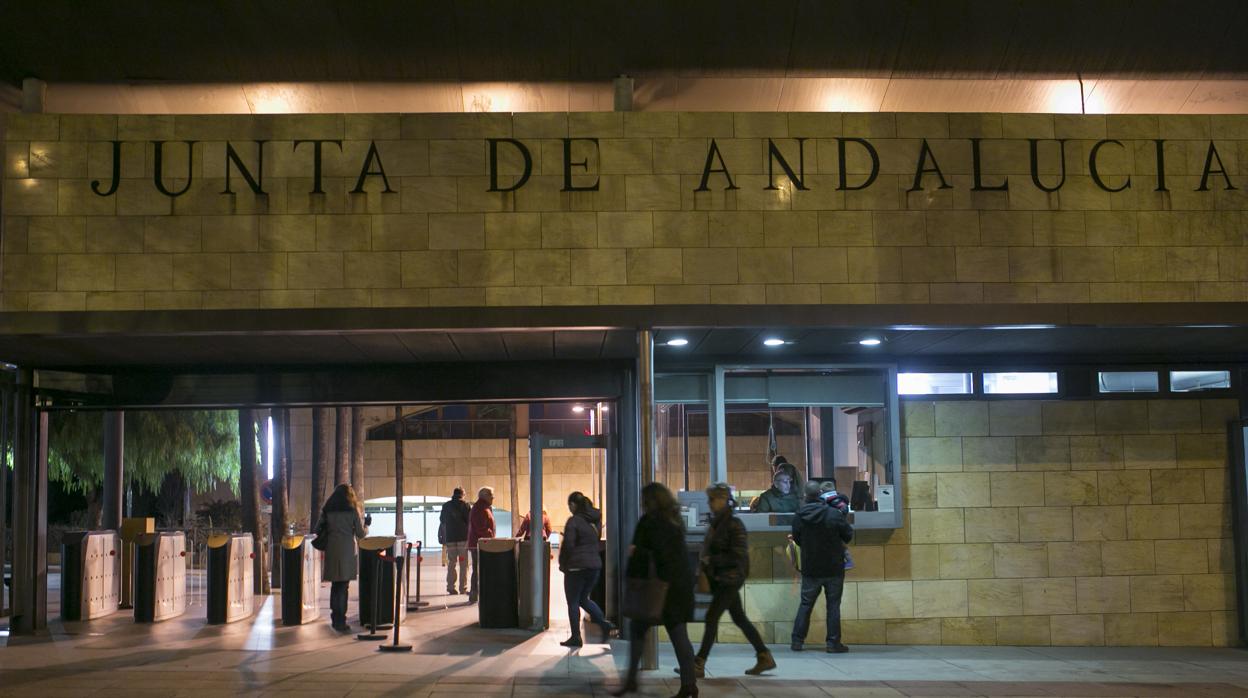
(201, 445)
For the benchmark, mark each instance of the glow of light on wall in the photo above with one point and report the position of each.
(1064, 98)
(268, 449)
(275, 98)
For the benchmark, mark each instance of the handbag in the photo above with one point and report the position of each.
(644, 597)
(320, 539)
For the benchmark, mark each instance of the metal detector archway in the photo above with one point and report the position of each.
(537, 444)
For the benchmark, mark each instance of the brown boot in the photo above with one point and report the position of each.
(699, 667)
(765, 662)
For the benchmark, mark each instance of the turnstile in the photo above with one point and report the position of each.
(230, 595)
(159, 576)
(377, 576)
(497, 606)
(90, 574)
(301, 580)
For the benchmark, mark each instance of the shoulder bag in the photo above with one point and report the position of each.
(644, 596)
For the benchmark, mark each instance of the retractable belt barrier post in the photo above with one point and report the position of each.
(159, 576)
(230, 595)
(301, 580)
(90, 574)
(399, 593)
(417, 604)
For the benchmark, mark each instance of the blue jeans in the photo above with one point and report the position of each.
(338, 603)
(577, 586)
(831, 588)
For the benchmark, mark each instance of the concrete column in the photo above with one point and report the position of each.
(30, 515)
(114, 469)
(718, 442)
(6, 426)
(34, 96)
(623, 93)
(398, 470)
(645, 338)
(537, 549)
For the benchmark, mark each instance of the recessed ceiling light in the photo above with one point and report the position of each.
(869, 342)
(774, 342)
(678, 342)
(578, 408)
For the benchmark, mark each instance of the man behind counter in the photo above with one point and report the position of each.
(781, 497)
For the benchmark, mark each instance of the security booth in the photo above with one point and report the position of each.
(90, 574)
(230, 575)
(379, 555)
(159, 576)
(301, 580)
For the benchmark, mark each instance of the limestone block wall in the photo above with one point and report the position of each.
(433, 234)
(436, 467)
(1039, 523)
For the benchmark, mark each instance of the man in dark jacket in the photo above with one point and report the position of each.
(725, 559)
(822, 532)
(455, 540)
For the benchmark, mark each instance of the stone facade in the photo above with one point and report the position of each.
(1039, 523)
(439, 237)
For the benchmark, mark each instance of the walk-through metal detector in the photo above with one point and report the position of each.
(538, 443)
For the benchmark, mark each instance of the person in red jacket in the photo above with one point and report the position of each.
(525, 533)
(480, 525)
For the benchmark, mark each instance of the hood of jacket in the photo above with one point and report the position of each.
(817, 514)
(590, 514)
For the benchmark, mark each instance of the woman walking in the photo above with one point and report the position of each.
(726, 560)
(660, 538)
(581, 564)
(340, 524)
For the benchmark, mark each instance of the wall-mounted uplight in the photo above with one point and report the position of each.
(677, 342)
(869, 342)
(578, 409)
(774, 342)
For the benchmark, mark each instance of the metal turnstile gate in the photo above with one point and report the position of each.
(230, 594)
(377, 577)
(90, 574)
(159, 576)
(301, 580)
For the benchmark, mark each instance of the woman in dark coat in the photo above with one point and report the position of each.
(581, 563)
(726, 560)
(660, 537)
(340, 523)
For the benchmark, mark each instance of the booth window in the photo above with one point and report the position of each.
(1020, 383)
(827, 422)
(935, 383)
(1127, 382)
(1195, 381)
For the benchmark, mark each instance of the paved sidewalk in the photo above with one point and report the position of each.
(454, 659)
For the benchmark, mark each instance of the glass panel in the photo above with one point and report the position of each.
(935, 384)
(821, 424)
(1127, 382)
(1020, 383)
(682, 460)
(757, 435)
(1192, 381)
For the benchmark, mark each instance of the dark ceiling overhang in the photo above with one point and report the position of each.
(573, 40)
(249, 339)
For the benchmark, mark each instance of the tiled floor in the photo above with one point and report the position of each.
(455, 659)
